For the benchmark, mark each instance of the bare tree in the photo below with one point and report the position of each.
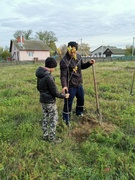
(63, 49)
(84, 49)
(25, 34)
(18, 33)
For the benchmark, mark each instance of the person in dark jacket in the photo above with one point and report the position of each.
(48, 94)
(71, 80)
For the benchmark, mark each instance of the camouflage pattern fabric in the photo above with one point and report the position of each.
(50, 119)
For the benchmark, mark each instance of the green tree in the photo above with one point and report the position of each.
(1, 50)
(4, 53)
(48, 37)
(128, 50)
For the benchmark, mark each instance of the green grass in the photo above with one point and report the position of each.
(89, 150)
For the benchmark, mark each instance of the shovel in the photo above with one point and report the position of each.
(96, 94)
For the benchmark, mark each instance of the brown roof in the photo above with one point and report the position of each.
(35, 45)
(104, 48)
(115, 51)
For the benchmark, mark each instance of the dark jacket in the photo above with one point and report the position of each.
(46, 86)
(70, 71)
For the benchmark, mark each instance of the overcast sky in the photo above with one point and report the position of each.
(95, 22)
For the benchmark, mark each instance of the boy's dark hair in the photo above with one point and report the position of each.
(50, 62)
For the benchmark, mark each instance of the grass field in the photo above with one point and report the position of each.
(90, 150)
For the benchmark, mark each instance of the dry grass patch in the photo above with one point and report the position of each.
(86, 125)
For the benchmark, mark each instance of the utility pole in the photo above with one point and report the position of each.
(133, 47)
(81, 47)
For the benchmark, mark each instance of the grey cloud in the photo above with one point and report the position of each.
(67, 20)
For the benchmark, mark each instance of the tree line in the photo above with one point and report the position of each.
(50, 39)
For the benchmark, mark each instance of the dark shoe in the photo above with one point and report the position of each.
(68, 124)
(56, 140)
(80, 115)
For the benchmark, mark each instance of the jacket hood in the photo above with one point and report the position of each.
(41, 72)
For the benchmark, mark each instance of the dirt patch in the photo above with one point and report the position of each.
(85, 127)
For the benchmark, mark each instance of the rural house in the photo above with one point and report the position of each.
(29, 50)
(114, 52)
(98, 52)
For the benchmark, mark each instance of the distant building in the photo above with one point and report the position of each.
(29, 50)
(99, 52)
(114, 52)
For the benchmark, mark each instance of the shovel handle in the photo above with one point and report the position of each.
(95, 87)
(96, 94)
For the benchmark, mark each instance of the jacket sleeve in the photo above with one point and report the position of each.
(63, 73)
(53, 88)
(85, 65)
(38, 84)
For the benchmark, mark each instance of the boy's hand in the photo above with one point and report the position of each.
(65, 89)
(67, 95)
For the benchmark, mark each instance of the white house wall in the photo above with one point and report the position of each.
(99, 52)
(41, 55)
(14, 52)
(117, 55)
